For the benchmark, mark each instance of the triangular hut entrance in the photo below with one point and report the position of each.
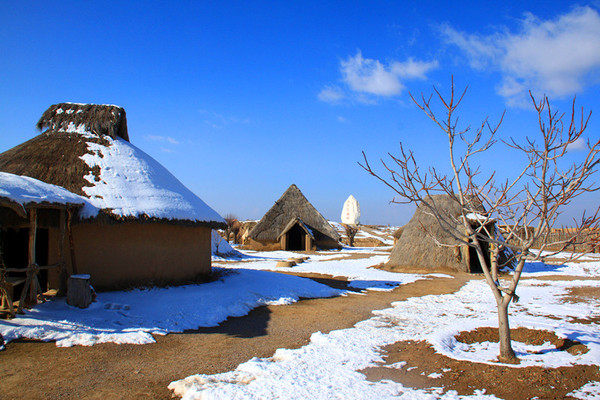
(293, 224)
(296, 236)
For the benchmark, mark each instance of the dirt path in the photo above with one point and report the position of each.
(35, 370)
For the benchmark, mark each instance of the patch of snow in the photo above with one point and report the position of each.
(589, 391)
(25, 190)
(356, 271)
(134, 316)
(398, 365)
(327, 367)
(132, 184)
(220, 248)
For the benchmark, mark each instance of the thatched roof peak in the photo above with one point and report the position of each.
(292, 204)
(101, 120)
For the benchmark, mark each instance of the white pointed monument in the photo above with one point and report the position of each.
(351, 211)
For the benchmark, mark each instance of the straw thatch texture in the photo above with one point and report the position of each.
(99, 119)
(292, 204)
(416, 247)
(52, 157)
(55, 156)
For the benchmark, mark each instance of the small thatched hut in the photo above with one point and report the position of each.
(293, 224)
(416, 248)
(141, 226)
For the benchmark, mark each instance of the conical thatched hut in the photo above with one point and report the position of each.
(141, 226)
(416, 248)
(293, 224)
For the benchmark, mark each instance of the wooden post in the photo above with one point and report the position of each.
(307, 242)
(63, 275)
(284, 241)
(71, 247)
(33, 290)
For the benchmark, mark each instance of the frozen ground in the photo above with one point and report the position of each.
(245, 283)
(327, 367)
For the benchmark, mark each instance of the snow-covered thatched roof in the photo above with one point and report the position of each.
(18, 192)
(101, 120)
(86, 150)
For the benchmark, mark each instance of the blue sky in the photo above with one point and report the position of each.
(241, 99)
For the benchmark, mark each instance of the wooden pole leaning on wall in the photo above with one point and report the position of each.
(31, 284)
(71, 247)
(62, 273)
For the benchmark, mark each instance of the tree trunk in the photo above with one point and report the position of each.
(507, 355)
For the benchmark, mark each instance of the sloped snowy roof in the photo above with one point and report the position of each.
(132, 184)
(24, 190)
(85, 149)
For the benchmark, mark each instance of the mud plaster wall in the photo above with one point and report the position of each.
(131, 254)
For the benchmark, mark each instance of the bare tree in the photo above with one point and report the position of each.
(351, 231)
(534, 198)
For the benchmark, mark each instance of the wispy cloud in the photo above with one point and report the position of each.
(366, 78)
(331, 94)
(218, 121)
(558, 57)
(158, 138)
(578, 145)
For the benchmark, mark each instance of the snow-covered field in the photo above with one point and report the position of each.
(328, 366)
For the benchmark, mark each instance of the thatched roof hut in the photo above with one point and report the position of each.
(85, 149)
(416, 248)
(157, 229)
(293, 223)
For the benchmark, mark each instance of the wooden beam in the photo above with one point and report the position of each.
(71, 247)
(62, 273)
(32, 242)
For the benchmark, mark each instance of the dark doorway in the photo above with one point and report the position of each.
(15, 252)
(475, 265)
(296, 238)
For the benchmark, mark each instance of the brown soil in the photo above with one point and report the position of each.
(466, 377)
(36, 370)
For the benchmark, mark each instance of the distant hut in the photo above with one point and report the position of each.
(293, 224)
(142, 226)
(416, 247)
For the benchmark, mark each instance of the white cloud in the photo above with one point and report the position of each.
(158, 138)
(331, 94)
(370, 76)
(558, 57)
(578, 145)
(365, 78)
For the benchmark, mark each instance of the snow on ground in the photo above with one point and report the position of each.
(134, 316)
(587, 266)
(327, 367)
(379, 232)
(357, 271)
